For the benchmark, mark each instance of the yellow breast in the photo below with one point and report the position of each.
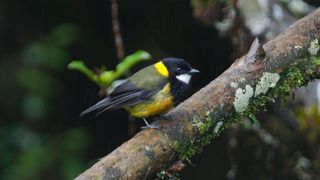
(160, 102)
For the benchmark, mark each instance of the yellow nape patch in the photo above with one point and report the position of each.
(161, 68)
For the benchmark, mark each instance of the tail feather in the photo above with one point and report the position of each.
(98, 106)
(119, 101)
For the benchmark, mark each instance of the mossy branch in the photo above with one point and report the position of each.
(267, 72)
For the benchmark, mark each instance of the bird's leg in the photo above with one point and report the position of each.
(149, 125)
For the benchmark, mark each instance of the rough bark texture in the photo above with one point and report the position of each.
(152, 149)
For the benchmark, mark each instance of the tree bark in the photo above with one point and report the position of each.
(199, 119)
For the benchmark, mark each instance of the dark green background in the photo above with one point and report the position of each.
(41, 134)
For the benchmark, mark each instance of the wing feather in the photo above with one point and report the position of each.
(124, 95)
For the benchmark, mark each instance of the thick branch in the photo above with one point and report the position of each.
(210, 109)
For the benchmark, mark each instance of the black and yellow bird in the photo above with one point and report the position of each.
(150, 91)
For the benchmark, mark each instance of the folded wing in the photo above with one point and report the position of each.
(126, 94)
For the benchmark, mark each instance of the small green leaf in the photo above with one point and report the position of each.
(124, 67)
(80, 66)
(130, 61)
(105, 77)
(137, 56)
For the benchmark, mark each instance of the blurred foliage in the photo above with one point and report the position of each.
(26, 154)
(105, 77)
(41, 60)
(309, 122)
(26, 150)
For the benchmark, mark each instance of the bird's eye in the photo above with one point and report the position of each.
(178, 69)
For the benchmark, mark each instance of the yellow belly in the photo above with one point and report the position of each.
(161, 102)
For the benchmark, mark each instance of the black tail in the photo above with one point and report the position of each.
(97, 107)
(118, 101)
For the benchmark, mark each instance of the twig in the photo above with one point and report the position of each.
(118, 41)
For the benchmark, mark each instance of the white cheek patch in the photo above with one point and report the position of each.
(184, 78)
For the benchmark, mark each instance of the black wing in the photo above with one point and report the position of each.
(126, 94)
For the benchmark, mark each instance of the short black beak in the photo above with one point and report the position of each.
(194, 71)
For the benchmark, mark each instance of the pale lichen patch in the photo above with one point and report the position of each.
(149, 152)
(217, 127)
(268, 80)
(314, 47)
(242, 98)
(234, 85)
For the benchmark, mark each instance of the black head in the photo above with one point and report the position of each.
(177, 66)
(179, 69)
(180, 73)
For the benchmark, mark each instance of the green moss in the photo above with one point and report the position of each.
(316, 60)
(203, 127)
(209, 128)
(164, 175)
(185, 150)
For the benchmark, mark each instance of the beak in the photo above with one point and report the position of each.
(194, 71)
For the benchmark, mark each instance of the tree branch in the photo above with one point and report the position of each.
(266, 72)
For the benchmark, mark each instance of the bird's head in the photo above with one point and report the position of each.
(176, 68)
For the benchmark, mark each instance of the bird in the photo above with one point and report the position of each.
(150, 91)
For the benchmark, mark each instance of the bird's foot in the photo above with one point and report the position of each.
(152, 126)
